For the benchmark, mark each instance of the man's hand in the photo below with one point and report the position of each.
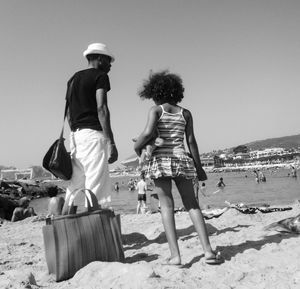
(112, 153)
(201, 174)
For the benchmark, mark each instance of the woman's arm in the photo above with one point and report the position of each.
(149, 131)
(192, 145)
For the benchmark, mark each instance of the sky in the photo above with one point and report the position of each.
(239, 61)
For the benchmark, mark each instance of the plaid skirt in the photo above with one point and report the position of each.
(170, 166)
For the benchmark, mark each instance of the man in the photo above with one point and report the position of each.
(23, 211)
(56, 202)
(141, 186)
(91, 140)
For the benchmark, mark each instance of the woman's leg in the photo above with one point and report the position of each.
(163, 187)
(186, 190)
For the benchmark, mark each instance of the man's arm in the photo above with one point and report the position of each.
(104, 119)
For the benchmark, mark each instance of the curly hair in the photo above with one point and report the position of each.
(162, 87)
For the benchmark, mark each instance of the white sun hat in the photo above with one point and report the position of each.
(98, 48)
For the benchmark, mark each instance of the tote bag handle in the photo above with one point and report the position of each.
(90, 197)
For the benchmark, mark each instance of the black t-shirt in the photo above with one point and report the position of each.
(82, 101)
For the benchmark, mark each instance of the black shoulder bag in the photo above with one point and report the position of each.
(57, 160)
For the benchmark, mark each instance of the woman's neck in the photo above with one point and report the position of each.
(171, 108)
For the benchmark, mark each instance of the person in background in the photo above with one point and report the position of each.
(256, 176)
(56, 203)
(116, 187)
(203, 189)
(170, 162)
(23, 211)
(91, 139)
(220, 183)
(294, 172)
(131, 185)
(141, 187)
(262, 177)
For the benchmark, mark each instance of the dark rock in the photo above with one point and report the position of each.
(7, 206)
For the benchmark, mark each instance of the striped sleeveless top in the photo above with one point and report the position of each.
(171, 159)
(171, 128)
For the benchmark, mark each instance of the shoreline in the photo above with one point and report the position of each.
(177, 210)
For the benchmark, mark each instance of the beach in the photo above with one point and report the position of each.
(167, 90)
(254, 257)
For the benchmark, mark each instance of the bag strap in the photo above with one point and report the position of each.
(68, 97)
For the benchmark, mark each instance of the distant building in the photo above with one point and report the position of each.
(15, 174)
(212, 161)
(268, 153)
(241, 156)
(207, 161)
(31, 173)
(226, 156)
(218, 162)
(241, 149)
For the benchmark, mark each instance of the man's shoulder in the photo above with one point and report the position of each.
(18, 214)
(19, 210)
(89, 73)
(92, 71)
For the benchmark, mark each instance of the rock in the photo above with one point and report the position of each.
(31, 279)
(7, 206)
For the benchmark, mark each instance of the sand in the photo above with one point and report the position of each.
(254, 258)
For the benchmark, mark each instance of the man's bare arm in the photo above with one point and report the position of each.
(104, 119)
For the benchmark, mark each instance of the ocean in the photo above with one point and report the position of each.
(279, 190)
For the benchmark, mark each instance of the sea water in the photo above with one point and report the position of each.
(241, 187)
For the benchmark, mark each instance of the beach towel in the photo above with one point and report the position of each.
(74, 240)
(214, 213)
(253, 210)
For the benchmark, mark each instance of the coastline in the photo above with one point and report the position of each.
(251, 167)
(254, 257)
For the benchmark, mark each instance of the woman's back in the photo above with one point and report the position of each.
(171, 128)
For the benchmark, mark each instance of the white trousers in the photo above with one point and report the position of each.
(90, 164)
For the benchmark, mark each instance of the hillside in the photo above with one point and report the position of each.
(287, 142)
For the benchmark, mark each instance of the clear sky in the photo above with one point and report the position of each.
(239, 61)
